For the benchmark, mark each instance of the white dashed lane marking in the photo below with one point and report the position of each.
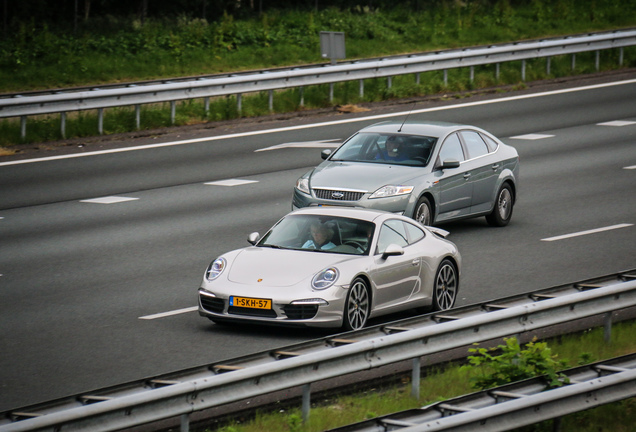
(617, 123)
(304, 144)
(582, 233)
(532, 137)
(170, 313)
(231, 182)
(109, 200)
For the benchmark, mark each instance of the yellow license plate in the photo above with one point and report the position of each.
(248, 302)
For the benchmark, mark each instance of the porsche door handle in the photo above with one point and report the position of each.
(415, 262)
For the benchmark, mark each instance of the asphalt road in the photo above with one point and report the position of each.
(93, 294)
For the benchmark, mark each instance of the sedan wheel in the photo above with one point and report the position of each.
(446, 285)
(502, 212)
(357, 307)
(423, 213)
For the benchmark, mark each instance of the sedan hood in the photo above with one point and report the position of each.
(278, 267)
(361, 176)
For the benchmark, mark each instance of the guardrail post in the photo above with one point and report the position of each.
(23, 120)
(445, 77)
(361, 88)
(138, 116)
(472, 73)
(271, 100)
(206, 106)
(306, 406)
(417, 78)
(389, 82)
(302, 96)
(597, 61)
(100, 121)
(173, 111)
(573, 61)
(63, 124)
(607, 326)
(620, 56)
(547, 65)
(239, 103)
(330, 92)
(415, 377)
(497, 69)
(523, 70)
(185, 423)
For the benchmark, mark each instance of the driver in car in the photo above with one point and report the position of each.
(320, 237)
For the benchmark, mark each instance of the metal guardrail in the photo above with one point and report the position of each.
(207, 87)
(186, 392)
(518, 404)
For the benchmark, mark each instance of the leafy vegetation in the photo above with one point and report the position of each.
(119, 48)
(447, 381)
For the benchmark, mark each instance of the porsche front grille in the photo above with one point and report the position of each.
(336, 195)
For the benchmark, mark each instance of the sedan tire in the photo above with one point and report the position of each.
(357, 307)
(501, 214)
(446, 286)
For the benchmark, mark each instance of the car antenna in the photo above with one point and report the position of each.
(406, 118)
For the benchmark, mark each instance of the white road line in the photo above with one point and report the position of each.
(231, 182)
(617, 123)
(170, 313)
(313, 125)
(304, 144)
(108, 200)
(630, 167)
(582, 233)
(532, 137)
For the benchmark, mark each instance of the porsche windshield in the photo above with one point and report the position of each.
(389, 148)
(320, 233)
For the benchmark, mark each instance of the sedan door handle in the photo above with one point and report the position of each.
(466, 176)
(495, 167)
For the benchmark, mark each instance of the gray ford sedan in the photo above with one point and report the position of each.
(431, 172)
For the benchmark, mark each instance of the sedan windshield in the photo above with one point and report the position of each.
(396, 149)
(320, 233)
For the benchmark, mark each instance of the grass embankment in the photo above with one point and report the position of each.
(122, 50)
(446, 381)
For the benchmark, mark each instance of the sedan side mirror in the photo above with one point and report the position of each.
(392, 250)
(253, 238)
(450, 163)
(325, 153)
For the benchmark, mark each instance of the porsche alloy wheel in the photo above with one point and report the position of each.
(446, 285)
(357, 306)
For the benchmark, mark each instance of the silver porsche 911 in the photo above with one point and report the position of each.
(333, 267)
(432, 172)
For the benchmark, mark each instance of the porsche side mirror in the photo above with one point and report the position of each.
(392, 250)
(325, 153)
(253, 238)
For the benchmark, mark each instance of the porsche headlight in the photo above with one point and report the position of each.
(302, 184)
(215, 269)
(325, 278)
(391, 190)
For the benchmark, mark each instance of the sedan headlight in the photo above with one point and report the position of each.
(325, 278)
(391, 190)
(215, 269)
(303, 185)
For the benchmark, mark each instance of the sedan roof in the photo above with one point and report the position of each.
(432, 129)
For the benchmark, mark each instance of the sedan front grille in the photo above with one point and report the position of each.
(301, 311)
(212, 304)
(337, 195)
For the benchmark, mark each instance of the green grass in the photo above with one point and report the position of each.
(446, 381)
(110, 50)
